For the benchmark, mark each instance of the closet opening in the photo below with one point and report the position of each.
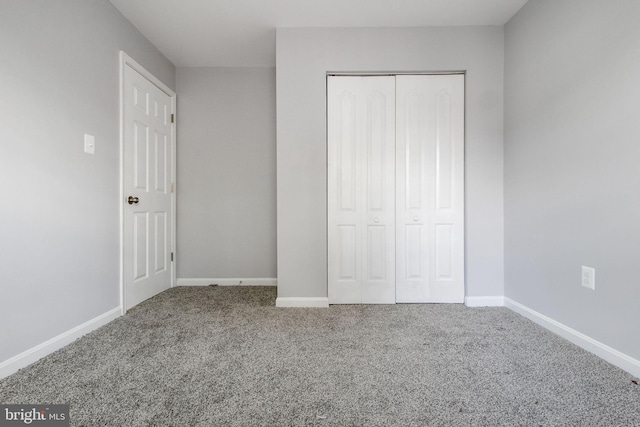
(395, 188)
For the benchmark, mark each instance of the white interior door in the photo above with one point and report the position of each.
(430, 188)
(147, 186)
(361, 189)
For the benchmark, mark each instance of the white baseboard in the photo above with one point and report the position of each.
(494, 301)
(228, 282)
(607, 353)
(319, 302)
(32, 355)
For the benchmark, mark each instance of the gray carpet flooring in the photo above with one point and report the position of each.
(225, 356)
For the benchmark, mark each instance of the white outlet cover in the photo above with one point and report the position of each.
(589, 277)
(89, 144)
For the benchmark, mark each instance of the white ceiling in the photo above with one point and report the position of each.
(238, 33)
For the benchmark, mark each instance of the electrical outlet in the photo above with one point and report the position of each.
(589, 277)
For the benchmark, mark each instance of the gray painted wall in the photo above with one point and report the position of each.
(226, 172)
(572, 144)
(59, 214)
(303, 56)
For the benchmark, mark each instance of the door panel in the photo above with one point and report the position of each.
(376, 245)
(413, 146)
(347, 155)
(147, 174)
(140, 245)
(430, 177)
(347, 254)
(378, 286)
(140, 156)
(444, 152)
(361, 189)
(160, 250)
(161, 167)
(444, 251)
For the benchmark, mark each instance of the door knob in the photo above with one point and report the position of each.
(376, 220)
(416, 217)
(132, 200)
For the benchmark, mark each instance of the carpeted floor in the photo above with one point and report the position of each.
(225, 356)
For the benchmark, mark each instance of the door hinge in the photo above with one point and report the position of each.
(171, 256)
(173, 118)
(173, 187)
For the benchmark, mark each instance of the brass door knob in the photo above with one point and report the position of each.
(133, 200)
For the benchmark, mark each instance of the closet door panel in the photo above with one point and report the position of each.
(447, 223)
(344, 187)
(430, 188)
(413, 164)
(361, 189)
(378, 285)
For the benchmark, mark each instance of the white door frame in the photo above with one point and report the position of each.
(464, 167)
(126, 60)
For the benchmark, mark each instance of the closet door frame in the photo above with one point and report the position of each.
(443, 242)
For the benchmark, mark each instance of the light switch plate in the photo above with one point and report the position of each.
(89, 144)
(589, 277)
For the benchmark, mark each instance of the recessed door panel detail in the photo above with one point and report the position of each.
(376, 251)
(140, 246)
(413, 152)
(160, 241)
(444, 251)
(413, 245)
(376, 132)
(161, 167)
(160, 111)
(140, 156)
(157, 110)
(444, 151)
(347, 254)
(347, 152)
(140, 99)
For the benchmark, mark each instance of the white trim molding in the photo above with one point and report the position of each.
(228, 282)
(607, 353)
(32, 355)
(318, 302)
(486, 301)
(492, 301)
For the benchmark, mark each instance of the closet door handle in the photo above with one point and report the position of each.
(376, 220)
(416, 218)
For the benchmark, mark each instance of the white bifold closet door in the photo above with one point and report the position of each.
(361, 182)
(430, 188)
(395, 188)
